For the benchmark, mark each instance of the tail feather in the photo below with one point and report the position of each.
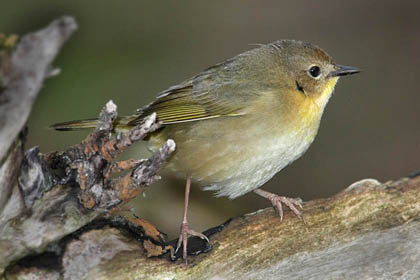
(120, 124)
(75, 125)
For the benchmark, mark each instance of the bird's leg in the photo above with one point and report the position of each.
(185, 229)
(277, 200)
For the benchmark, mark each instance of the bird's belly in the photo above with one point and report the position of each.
(233, 162)
(256, 165)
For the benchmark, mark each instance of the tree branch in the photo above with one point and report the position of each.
(28, 67)
(45, 198)
(368, 231)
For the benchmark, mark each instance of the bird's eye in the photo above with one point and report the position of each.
(314, 71)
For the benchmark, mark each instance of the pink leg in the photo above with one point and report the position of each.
(185, 229)
(277, 200)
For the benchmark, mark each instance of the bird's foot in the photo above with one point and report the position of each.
(277, 201)
(292, 203)
(183, 239)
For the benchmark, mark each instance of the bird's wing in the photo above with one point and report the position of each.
(207, 95)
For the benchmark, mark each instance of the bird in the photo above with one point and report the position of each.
(238, 123)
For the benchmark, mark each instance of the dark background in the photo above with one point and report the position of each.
(128, 51)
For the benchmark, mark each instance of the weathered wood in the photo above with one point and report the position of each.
(368, 231)
(45, 198)
(40, 212)
(22, 73)
(29, 66)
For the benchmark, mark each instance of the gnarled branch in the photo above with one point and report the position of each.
(45, 198)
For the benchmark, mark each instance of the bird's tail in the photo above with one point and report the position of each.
(120, 124)
(123, 123)
(75, 125)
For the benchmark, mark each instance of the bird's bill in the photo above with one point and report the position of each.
(344, 70)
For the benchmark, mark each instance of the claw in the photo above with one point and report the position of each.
(278, 200)
(183, 239)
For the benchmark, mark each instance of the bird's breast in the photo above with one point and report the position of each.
(236, 155)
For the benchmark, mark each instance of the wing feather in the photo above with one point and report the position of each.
(188, 102)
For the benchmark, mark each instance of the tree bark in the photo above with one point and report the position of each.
(56, 222)
(368, 231)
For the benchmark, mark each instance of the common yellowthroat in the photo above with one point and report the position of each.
(239, 122)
